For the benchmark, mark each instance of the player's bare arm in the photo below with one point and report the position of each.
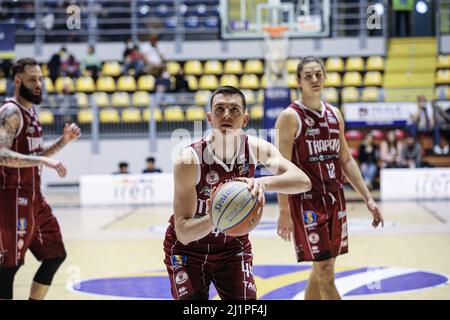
(353, 173)
(71, 133)
(187, 227)
(10, 121)
(286, 128)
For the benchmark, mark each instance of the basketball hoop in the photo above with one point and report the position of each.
(275, 54)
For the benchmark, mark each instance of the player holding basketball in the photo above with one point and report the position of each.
(195, 255)
(26, 219)
(311, 133)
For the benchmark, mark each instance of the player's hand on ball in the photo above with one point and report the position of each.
(256, 188)
(377, 216)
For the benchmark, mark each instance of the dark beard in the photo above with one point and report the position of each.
(28, 95)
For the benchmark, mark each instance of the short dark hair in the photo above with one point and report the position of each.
(228, 90)
(150, 159)
(123, 164)
(21, 64)
(307, 60)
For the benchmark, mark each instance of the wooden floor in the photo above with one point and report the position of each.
(116, 253)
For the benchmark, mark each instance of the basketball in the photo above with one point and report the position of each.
(234, 210)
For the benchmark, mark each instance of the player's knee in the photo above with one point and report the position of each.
(47, 270)
(6, 282)
(325, 271)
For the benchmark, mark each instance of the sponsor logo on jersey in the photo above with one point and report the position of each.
(321, 146)
(212, 177)
(323, 157)
(30, 130)
(344, 230)
(315, 249)
(20, 244)
(309, 121)
(313, 238)
(178, 260)
(35, 144)
(243, 169)
(323, 124)
(181, 277)
(309, 217)
(182, 291)
(22, 201)
(334, 131)
(22, 224)
(332, 120)
(312, 132)
(344, 243)
(206, 190)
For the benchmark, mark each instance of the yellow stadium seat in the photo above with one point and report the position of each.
(373, 78)
(350, 94)
(131, 115)
(229, 80)
(292, 80)
(146, 83)
(443, 76)
(201, 97)
(106, 84)
(111, 68)
(2, 86)
(330, 95)
(46, 117)
(442, 92)
(291, 65)
(249, 81)
(126, 83)
(120, 99)
(263, 81)
(157, 114)
(62, 82)
(173, 114)
(173, 67)
(85, 84)
(443, 62)
(213, 67)
(334, 64)
(294, 94)
(249, 96)
(352, 79)
(49, 85)
(195, 114)
(85, 116)
(109, 116)
(82, 100)
(375, 63)
(370, 94)
(141, 99)
(101, 99)
(192, 82)
(254, 66)
(44, 69)
(193, 67)
(333, 79)
(233, 67)
(260, 96)
(354, 64)
(256, 112)
(208, 82)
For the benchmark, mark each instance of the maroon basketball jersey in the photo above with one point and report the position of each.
(28, 141)
(211, 172)
(316, 147)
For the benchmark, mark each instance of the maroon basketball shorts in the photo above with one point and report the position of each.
(320, 225)
(26, 221)
(194, 267)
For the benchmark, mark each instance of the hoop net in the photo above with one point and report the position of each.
(275, 54)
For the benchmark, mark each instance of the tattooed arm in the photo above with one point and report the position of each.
(9, 124)
(71, 132)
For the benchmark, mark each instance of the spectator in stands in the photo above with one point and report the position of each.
(368, 157)
(423, 122)
(91, 63)
(153, 58)
(442, 117)
(411, 154)
(65, 101)
(70, 67)
(390, 151)
(133, 60)
(402, 10)
(181, 84)
(5, 68)
(163, 83)
(54, 65)
(151, 166)
(123, 168)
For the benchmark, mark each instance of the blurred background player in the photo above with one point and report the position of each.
(151, 168)
(194, 255)
(311, 134)
(26, 219)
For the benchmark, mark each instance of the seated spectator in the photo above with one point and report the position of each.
(151, 166)
(390, 150)
(181, 84)
(70, 67)
(368, 156)
(163, 83)
(153, 58)
(123, 168)
(65, 102)
(91, 63)
(442, 116)
(133, 60)
(411, 155)
(54, 65)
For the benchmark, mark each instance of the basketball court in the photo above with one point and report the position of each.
(116, 253)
